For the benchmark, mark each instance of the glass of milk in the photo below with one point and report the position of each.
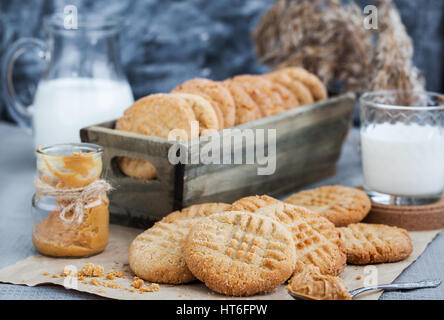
(402, 142)
(83, 84)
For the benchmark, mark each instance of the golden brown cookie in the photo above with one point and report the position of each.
(203, 111)
(312, 82)
(157, 115)
(137, 168)
(156, 255)
(272, 98)
(310, 283)
(246, 109)
(219, 97)
(253, 203)
(154, 115)
(341, 205)
(239, 253)
(302, 93)
(316, 239)
(375, 243)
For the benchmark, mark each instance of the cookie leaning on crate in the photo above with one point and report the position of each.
(216, 106)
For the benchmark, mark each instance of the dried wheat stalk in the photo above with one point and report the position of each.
(330, 40)
(393, 57)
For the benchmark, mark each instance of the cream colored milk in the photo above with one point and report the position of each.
(63, 106)
(403, 160)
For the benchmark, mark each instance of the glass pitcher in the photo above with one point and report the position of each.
(83, 84)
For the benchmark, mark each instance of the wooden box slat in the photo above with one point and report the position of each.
(308, 145)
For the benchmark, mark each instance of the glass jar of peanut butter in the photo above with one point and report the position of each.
(70, 205)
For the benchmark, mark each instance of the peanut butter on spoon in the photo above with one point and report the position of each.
(311, 284)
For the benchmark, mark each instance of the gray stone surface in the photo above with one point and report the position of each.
(17, 170)
(169, 41)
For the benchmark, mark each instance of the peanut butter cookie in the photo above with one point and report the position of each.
(154, 115)
(219, 97)
(341, 205)
(312, 82)
(239, 253)
(137, 168)
(316, 239)
(156, 255)
(157, 115)
(375, 243)
(246, 109)
(302, 93)
(253, 203)
(203, 111)
(272, 98)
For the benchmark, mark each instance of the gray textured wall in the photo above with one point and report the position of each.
(169, 41)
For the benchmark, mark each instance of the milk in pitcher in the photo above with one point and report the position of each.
(63, 106)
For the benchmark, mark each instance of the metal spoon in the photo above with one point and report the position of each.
(386, 287)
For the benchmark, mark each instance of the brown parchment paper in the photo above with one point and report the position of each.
(31, 271)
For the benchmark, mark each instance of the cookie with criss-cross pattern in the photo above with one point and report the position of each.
(253, 203)
(156, 255)
(375, 243)
(240, 253)
(316, 239)
(341, 205)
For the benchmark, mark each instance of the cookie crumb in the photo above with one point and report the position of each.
(153, 288)
(95, 282)
(55, 276)
(91, 270)
(67, 272)
(358, 278)
(46, 273)
(137, 283)
(113, 274)
(112, 285)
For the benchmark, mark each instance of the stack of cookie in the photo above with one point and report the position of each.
(215, 106)
(258, 243)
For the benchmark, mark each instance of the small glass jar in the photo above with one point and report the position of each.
(70, 206)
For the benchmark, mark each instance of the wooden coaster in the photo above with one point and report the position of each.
(413, 218)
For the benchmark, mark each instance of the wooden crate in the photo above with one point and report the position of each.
(308, 144)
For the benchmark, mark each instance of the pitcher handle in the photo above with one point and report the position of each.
(19, 112)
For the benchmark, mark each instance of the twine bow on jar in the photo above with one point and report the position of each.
(77, 197)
